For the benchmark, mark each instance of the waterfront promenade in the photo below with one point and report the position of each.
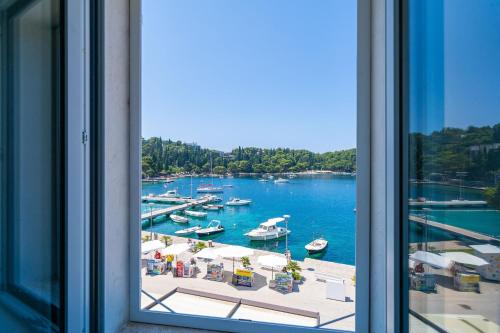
(310, 295)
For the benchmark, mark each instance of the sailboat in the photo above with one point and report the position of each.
(210, 188)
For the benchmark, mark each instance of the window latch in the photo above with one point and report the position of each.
(85, 137)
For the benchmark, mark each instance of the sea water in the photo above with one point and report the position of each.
(319, 205)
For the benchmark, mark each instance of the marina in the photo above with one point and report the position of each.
(317, 204)
(169, 210)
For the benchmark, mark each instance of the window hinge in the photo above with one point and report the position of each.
(85, 137)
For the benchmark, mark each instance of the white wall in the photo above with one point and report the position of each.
(116, 119)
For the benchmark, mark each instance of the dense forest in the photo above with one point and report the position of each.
(470, 155)
(173, 157)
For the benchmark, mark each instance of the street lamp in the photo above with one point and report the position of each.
(151, 218)
(426, 233)
(286, 236)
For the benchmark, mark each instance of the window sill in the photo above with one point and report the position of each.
(150, 328)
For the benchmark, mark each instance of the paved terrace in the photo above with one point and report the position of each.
(309, 296)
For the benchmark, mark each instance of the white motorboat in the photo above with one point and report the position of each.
(213, 207)
(317, 245)
(269, 230)
(238, 202)
(170, 194)
(179, 219)
(281, 181)
(188, 230)
(263, 180)
(209, 188)
(212, 228)
(195, 213)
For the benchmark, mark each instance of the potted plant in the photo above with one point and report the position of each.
(294, 267)
(200, 246)
(245, 261)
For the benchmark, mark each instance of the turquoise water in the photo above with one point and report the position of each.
(322, 205)
(318, 205)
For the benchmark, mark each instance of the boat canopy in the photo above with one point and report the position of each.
(272, 222)
(464, 258)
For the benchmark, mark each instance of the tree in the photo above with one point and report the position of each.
(492, 195)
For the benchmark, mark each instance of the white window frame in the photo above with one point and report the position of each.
(377, 128)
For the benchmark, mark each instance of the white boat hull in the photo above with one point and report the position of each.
(187, 231)
(195, 214)
(316, 247)
(265, 237)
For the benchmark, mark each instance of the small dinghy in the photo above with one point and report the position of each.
(317, 245)
(213, 207)
(212, 228)
(195, 213)
(179, 219)
(188, 230)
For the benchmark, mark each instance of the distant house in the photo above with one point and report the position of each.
(484, 148)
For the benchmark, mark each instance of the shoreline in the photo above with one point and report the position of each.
(309, 295)
(346, 271)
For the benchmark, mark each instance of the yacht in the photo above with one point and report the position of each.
(281, 181)
(188, 230)
(212, 228)
(269, 230)
(317, 245)
(213, 207)
(209, 188)
(179, 219)
(238, 202)
(170, 194)
(195, 213)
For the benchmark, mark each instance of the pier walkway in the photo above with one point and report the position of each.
(170, 210)
(457, 230)
(450, 203)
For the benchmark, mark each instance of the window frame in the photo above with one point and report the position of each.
(363, 190)
(74, 285)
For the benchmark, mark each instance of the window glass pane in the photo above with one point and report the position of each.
(454, 165)
(248, 155)
(32, 148)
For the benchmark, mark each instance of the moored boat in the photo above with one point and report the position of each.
(195, 213)
(214, 227)
(269, 230)
(317, 245)
(209, 188)
(238, 202)
(213, 207)
(179, 219)
(170, 194)
(281, 181)
(188, 230)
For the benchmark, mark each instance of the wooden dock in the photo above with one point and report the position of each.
(457, 230)
(450, 203)
(172, 209)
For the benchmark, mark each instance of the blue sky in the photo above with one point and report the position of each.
(264, 73)
(454, 63)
